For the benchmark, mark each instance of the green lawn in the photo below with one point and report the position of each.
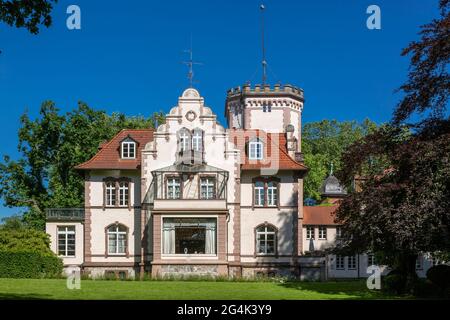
(174, 290)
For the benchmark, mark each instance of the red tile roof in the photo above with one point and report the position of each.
(319, 215)
(109, 155)
(275, 152)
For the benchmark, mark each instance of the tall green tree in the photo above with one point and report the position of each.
(323, 143)
(403, 208)
(51, 146)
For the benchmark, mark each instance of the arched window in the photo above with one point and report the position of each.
(117, 239)
(255, 150)
(266, 240)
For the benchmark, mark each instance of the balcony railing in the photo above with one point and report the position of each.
(65, 214)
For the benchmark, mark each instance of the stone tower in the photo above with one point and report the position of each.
(276, 109)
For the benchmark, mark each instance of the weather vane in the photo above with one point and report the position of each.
(190, 63)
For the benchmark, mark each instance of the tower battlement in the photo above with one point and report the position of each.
(262, 90)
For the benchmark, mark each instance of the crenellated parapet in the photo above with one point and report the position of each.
(266, 90)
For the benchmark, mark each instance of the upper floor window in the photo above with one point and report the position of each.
(207, 188)
(266, 240)
(184, 140)
(255, 150)
(110, 193)
(66, 241)
(272, 193)
(259, 193)
(173, 188)
(266, 192)
(197, 141)
(128, 149)
(116, 192)
(123, 193)
(322, 233)
(310, 232)
(117, 239)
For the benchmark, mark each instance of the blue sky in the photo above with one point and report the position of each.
(127, 56)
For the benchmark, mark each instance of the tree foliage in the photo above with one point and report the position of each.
(323, 143)
(428, 84)
(29, 14)
(403, 206)
(50, 147)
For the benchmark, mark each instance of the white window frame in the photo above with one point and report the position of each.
(259, 194)
(63, 233)
(209, 183)
(370, 259)
(340, 262)
(184, 141)
(124, 193)
(265, 232)
(255, 150)
(110, 193)
(172, 184)
(197, 141)
(322, 233)
(116, 232)
(419, 262)
(310, 232)
(272, 194)
(128, 150)
(351, 262)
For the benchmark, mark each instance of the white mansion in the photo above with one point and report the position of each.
(191, 197)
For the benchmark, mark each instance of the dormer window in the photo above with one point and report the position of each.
(128, 149)
(255, 150)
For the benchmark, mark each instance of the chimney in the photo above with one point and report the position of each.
(291, 140)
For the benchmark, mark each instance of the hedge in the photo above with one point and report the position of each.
(29, 265)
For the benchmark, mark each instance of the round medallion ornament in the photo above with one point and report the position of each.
(190, 116)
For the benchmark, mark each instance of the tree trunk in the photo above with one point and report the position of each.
(407, 267)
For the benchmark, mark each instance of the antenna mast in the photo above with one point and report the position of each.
(190, 63)
(264, 62)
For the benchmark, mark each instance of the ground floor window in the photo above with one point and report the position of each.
(340, 262)
(352, 262)
(66, 241)
(117, 239)
(189, 235)
(266, 239)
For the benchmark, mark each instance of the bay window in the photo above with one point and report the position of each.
(173, 188)
(207, 188)
(189, 236)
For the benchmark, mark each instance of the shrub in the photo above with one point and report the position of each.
(440, 276)
(29, 265)
(424, 288)
(394, 282)
(25, 240)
